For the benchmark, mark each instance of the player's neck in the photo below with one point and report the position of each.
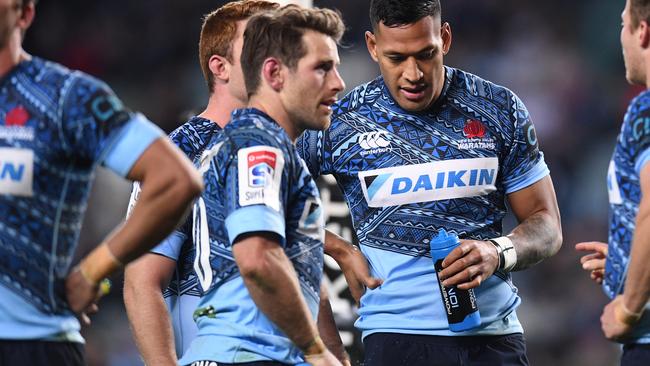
(272, 105)
(12, 54)
(220, 106)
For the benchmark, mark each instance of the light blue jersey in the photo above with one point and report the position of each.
(182, 294)
(56, 125)
(255, 181)
(407, 175)
(631, 154)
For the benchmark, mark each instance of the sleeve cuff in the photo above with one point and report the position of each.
(134, 138)
(171, 246)
(254, 218)
(641, 160)
(533, 175)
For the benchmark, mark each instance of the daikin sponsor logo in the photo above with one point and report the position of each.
(430, 181)
(16, 171)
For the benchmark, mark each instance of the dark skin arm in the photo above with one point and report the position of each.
(538, 236)
(170, 183)
(353, 264)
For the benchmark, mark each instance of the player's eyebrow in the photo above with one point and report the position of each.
(423, 50)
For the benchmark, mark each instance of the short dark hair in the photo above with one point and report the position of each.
(220, 28)
(279, 34)
(395, 13)
(639, 11)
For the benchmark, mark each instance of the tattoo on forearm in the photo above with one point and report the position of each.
(536, 238)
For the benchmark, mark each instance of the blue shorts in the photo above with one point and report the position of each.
(41, 353)
(392, 349)
(636, 355)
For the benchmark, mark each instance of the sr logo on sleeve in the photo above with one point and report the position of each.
(16, 171)
(260, 176)
(429, 182)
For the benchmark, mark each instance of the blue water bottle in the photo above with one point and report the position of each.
(460, 305)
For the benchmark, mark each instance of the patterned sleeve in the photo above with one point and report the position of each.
(524, 165)
(256, 181)
(97, 127)
(311, 147)
(637, 131)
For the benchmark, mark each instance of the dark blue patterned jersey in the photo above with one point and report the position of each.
(255, 181)
(631, 153)
(56, 125)
(407, 175)
(182, 293)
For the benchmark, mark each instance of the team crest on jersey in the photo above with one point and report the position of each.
(260, 176)
(16, 171)
(374, 142)
(426, 182)
(474, 132)
(14, 127)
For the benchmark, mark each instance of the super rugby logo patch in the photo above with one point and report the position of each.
(260, 175)
(16, 171)
(429, 182)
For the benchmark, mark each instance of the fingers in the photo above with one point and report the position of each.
(470, 277)
(592, 256)
(592, 246)
(92, 309)
(594, 265)
(84, 319)
(356, 291)
(597, 276)
(372, 282)
(455, 255)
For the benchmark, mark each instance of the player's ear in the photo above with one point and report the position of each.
(219, 67)
(272, 73)
(27, 15)
(644, 34)
(445, 34)
(371, 43)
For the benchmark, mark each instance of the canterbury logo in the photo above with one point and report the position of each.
(373, 140)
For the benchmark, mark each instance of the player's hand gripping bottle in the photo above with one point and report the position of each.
(460, 305)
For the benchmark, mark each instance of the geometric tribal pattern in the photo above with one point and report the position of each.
(67, 119)
(369, 117)
(631, 149)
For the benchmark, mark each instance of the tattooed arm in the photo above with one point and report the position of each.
(538, 236)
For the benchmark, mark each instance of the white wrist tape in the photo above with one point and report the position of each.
(506, 252)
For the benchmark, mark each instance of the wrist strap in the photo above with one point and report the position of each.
(100, 263)
(625, 315)
(315, 347)
(506, 252)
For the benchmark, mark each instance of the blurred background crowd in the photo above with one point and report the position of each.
(562, 58)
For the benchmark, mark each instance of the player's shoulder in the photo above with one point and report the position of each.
(470, 87)
(51, 80)
(192, 136)
(639, 106)
(363, 95)
(251, 127)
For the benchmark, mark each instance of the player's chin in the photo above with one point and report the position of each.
(412, 105)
